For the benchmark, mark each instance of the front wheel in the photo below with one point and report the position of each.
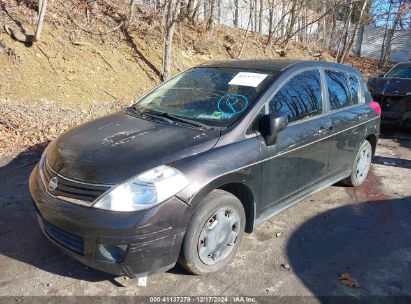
(361, 165)
(214, 233)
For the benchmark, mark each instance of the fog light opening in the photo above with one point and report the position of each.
(111, 253)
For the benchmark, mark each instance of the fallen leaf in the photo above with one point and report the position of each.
(348, 280)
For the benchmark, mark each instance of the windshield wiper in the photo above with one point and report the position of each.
(187, 120)
(170, 118)
(152, 114)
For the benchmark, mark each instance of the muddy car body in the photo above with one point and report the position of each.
(133, 192)
(393, 92)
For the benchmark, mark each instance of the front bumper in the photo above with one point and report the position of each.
(396, 118)
(151, 238)
(395, 110)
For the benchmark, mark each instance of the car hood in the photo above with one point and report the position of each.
(116, 147)
(390, 86)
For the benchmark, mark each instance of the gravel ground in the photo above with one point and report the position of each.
(360, 237)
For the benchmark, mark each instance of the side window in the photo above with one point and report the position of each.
(354, 89)
(338, 89)
(300, 97)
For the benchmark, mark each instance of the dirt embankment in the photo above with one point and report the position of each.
(72, 75)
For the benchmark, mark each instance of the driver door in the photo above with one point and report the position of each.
(301, 154)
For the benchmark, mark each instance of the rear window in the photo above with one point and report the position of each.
(338, 89)
(300, 97)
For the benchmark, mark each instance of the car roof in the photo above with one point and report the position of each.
(273, 64)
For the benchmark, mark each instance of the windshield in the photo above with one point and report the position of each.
(400, 71)
(216, 97)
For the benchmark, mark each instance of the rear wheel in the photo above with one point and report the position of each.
(361, 165)
(214, 233)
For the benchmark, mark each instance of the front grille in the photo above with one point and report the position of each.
(65, 238)
(67, 188)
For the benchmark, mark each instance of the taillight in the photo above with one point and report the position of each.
(376, 106)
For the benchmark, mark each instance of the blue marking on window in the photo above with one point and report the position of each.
(232, 103)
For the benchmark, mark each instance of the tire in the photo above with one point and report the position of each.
(361, 165)
(204, 250)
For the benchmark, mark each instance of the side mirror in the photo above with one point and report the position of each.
(271, 124)
(380, 75)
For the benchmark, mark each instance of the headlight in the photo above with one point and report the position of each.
(146, 190)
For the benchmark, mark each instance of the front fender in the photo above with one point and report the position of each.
(234, 163)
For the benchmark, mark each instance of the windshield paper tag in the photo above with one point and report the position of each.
(248, 79)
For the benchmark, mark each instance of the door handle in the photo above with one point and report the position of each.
(362, 116)
(323, 130)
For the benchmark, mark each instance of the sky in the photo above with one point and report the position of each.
(380, 10)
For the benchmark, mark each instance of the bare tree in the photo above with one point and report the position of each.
(348, 47)
(271, 10)
(19, 33)
(40, 20)
(191, 9)
(291, 23)
(211, 17)
(246, 34)
(236, 8)
(346, 28)
(260, 17)
(389, 37)
(280, 23)
(255, 5)
(172, 14)
(385, 33)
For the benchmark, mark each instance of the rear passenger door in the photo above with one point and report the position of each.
(346, 118)
(300, 156)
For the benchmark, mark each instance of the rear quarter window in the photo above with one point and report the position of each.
(354, 87)
(339, 93)
(367, 95)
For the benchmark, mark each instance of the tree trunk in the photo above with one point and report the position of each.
(168, 46)
(172, 12)
(270, 21)
(345, 30)
(191, 8)
(40, 20)
(332, 31)
(236, 13)
(219, 11)
(360, 36)
(291, 24)
(251, 15)
(260, 18)
(245, 36)
(196, 12)
(255, 15)
(211, 17)
(347, 49)
(385, 34)
(397, 19)
(132, 13)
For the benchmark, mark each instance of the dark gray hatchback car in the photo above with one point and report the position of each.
(201, 159)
